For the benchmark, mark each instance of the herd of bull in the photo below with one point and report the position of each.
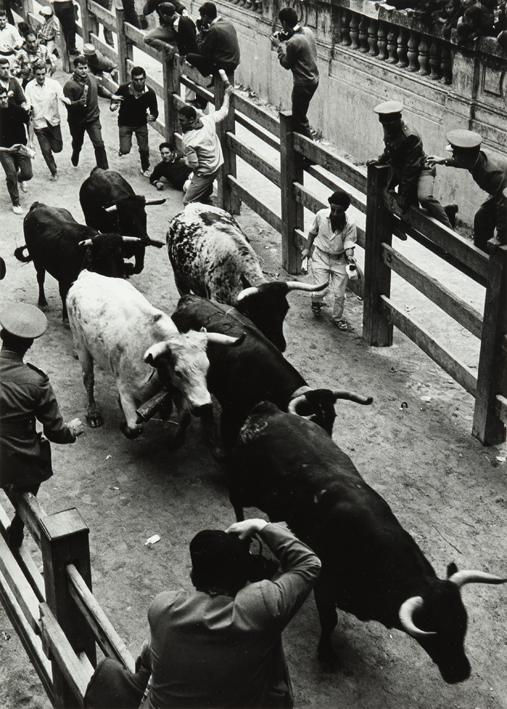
(226, 339)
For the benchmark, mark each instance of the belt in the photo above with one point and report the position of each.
(336, 256)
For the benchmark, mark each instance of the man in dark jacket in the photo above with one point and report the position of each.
(409, 168)
(14, 156)
(176, 30)
(26, 396)
(297, 52)
(221, 644)
(490, 174)
(217, 43)
(83, 91)
(138, 107)
(171, 169)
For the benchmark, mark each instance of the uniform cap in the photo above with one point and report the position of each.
(88, 49)
(23, 320)
(461, 138)
(388, 108)
(340, 197)
(46, 11)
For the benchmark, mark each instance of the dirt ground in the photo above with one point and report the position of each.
(447, 490)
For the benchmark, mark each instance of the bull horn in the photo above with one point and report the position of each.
(110, 209)
(252, 290)
(460, 578)
(218, 338)
(154, 200)
(352, 397)
(86, 242)
(299, 285)
(407, 610)
(294, 403)
(131, 239)
(155, 242)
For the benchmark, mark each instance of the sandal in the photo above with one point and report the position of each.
(343, 325)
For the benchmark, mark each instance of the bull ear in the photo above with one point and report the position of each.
(155, 351)
(451, 569)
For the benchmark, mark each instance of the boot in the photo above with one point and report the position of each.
(451, 210)
(14, 534)
(101, 157)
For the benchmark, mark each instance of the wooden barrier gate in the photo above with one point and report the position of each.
(55, 614)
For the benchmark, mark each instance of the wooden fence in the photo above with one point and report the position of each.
(55, 613)
(300, 156)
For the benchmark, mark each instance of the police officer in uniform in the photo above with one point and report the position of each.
(404, 153)
(26, 395)
(490, 173)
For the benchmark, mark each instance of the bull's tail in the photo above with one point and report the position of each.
(18, 253)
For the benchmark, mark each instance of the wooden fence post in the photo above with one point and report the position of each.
(488, 425)
(64, 540)
(291, 170)
(227, 199)
(123, 46)
(171, 69)
(377, 330)
(87, 22)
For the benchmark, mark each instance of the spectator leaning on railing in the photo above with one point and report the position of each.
(217, 43)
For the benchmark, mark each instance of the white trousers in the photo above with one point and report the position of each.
(329, 269)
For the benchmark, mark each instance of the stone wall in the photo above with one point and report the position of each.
(369, 53)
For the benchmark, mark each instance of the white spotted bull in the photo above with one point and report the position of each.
(211, 257)
(114, 326)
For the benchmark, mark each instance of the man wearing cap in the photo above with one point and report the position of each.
(330, 247)
(97, 62)
(220, 645)
(490, 173)
(409, 169)
(26, 396)
(138, 107)
(49, 31)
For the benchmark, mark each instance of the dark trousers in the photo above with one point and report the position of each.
(131, 16)
(301, 97)
(207, 66)
(93, 128)
(491, 215)
(108, 35)
(141, 133)
(65, 13)
(16, 528)
(50, 141)
(17, 168)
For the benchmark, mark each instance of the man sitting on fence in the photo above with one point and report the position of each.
(26, 396)
(490, 173)
(217, 43)
(203, 152)
(409, 168)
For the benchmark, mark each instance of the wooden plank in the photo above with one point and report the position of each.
(105, 49)
(340, 167)
(105, 17)
(253, 158)
(262, 210)
(62, 654)
(21, 589)
(450, 303)
(25, 561)
(403, 230)
(257, 131)
(257, 114)
(315, 171)
(197, 88)
(439, 354)
(291, 172)
(31, 642)
(449, 241)
(106, 635)
(137, 38)
(122, 44)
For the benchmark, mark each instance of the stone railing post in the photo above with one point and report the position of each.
(377, 330)
(488, 425)
(291, 171)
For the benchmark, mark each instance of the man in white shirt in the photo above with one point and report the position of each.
(9, 37)
(203, 152)
(44, 95)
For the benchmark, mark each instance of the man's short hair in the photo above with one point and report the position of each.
(165, 144)
(30, 32)
(3, 13)
(137, 71)
(219, 561)
(209, 9)
(166, 8)
(38, 65)
(188, 112)
(4, 60)
(288, 15)
(80, 60)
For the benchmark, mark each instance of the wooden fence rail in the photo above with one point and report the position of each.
(59, 621)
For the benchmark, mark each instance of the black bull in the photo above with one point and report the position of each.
(371, 567)
(110, 204)
(254, 371)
